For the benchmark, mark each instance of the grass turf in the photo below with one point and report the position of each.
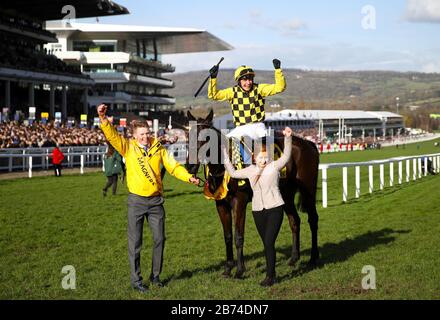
(47, 223)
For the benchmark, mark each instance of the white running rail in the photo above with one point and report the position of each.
(418, 162)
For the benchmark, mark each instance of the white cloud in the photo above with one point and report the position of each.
(432, 67)
(231, 26)
(423, 11)
(287, 27)
(293, 26)
(255, 14)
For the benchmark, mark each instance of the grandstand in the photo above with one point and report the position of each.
(29, 75)
(125, 61)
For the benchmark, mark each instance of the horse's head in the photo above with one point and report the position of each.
(196, 125)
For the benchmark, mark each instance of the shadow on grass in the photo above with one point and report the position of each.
(368, 197)
(330, 253)
(174, 195)
(377, 193)
(344, 250)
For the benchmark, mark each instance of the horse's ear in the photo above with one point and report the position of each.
(210, 116)
(190, 116)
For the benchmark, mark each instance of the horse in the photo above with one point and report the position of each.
(301, 177)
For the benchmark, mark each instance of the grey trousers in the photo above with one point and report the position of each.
(138, 208)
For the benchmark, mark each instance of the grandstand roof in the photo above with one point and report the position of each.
(53, 9)
(336, 114)
(169, 40)
(323, 114)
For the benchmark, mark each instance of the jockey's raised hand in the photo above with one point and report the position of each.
(287, 132)
(213, 72)
(101, 109)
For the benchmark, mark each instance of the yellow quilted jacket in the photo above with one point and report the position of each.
(143, 168)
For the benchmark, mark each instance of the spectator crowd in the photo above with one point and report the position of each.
(18, 135)
(15, 135)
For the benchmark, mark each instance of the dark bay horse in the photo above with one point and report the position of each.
(301, 176)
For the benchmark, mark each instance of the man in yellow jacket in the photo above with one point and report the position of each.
(144, 156)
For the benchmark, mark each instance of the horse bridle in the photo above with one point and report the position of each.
(204, 164)
(209, 174)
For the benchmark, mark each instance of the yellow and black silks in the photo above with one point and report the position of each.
(247, 107)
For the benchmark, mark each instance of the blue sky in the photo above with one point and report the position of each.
(399, 35)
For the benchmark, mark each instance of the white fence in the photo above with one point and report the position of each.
(417, 173)
(30, 159)
(40, 161)
(18, 159)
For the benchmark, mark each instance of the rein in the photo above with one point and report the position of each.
(206, 172)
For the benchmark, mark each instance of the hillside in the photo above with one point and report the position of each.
(372, 90)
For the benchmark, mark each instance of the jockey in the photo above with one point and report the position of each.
(247, 100)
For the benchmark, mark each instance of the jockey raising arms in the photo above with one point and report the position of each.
(247, 99)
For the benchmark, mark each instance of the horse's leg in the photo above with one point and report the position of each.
(313, 222)
(294, 223)
(239, 208)
(224, 213)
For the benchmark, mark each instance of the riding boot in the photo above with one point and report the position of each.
(237, 158)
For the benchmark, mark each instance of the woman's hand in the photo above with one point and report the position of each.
(287, 132)
(194, 180)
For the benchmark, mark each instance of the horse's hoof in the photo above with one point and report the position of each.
(312, 263)
(292, 261)
(239, 275)
(226, 274)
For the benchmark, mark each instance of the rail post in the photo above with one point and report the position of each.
(344, 184)
(391, 174)
(382, 177)
(324, 187)
(425, 163)
(400, 173)
(30, 166)
(358, 181)
(414, 169)
(370, 178)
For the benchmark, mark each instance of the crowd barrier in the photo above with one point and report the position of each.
(418, 163)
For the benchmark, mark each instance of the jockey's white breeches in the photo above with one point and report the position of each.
(251, 130)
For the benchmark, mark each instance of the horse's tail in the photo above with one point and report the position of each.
(307, 192)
